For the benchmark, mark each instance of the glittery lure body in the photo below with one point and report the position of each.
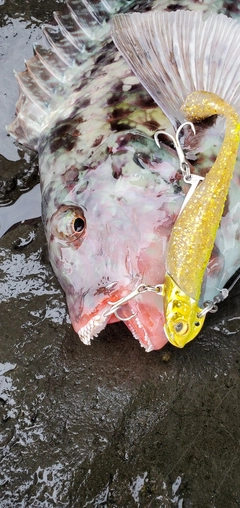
(194, 232)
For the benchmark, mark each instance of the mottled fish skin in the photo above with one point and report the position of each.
(92, 123)
(129, 210)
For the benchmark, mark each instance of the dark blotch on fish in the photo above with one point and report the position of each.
(70, 177)
(174, 7)
(84, 103)
(120, 112)
(117, 95)
(231, 7)
(165, 140)
(207, 122)
(98, 140)
(144, 100)
(193, 140)
(152, 125)
(116, 171)
(64, 135)
(118, 125)
(107, 56)
(81, 85)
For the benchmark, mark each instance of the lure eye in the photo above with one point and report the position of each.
(181, 327)
(69, 223)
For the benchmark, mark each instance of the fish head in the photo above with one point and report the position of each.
(182, 313)
(107, 227)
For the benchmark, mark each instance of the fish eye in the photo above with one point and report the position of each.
(79, 224)
(69, 223)
(181, 327)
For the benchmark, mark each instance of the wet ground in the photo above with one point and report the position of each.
(106, 425)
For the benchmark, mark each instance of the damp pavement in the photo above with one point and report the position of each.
(107, 425)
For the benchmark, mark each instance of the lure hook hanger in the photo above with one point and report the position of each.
(211, 305)
(142, 288)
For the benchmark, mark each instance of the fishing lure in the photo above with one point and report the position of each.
(157, 46)
(194, 232)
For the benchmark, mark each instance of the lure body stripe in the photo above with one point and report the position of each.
(195, 230)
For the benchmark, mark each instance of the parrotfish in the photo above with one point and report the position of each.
(111, 194)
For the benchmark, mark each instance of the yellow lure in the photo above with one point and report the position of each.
(193, 235)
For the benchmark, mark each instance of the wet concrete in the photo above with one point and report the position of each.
(106, 425)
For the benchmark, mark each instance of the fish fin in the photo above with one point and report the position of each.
(176, 53)
(77, 29)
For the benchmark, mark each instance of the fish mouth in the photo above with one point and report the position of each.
(143, 316)
(92, 329)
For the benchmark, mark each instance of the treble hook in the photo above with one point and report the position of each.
(184, 166)
(191, 179)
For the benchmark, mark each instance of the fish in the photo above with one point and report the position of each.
(110, 194)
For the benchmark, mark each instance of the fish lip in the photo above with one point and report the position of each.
(147, 345)
(92, 329)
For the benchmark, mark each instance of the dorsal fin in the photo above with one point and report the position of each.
(176, 53)
(77, 30)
